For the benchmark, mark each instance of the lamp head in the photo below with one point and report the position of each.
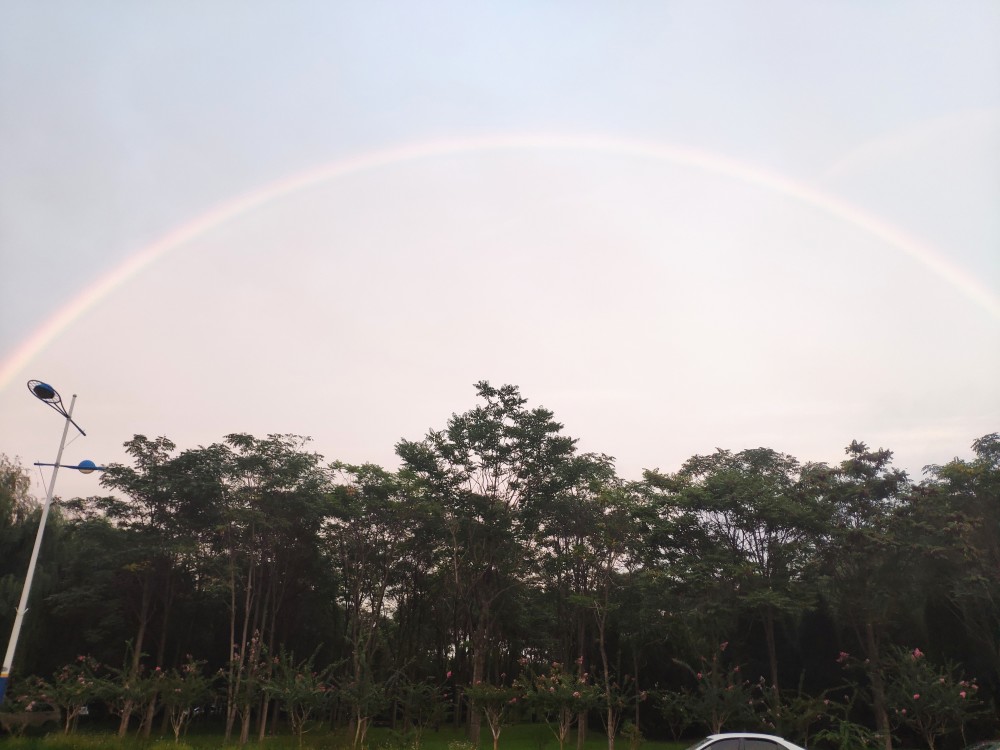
(49, 395)
(43, 391)
(86, 466)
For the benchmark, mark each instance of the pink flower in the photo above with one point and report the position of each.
(916, 696)
(698, 675)
(904, 711)
(962, 694)
(576, 694)
(448, 676)
(842, 657)
(722, 646)
(917, 653)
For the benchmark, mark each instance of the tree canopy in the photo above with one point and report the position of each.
(498, 555)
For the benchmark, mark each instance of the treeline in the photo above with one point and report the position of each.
(745, 591)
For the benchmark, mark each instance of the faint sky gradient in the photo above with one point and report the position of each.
(659, 308)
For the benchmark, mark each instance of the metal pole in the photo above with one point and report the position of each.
(22, 607)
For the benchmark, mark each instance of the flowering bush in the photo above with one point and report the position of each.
(300, 689)
(927, 698)
(71, 689)
(720, 695)
(675, 710)
(559, 697)
(423, 704)
(182, 690)
(495, 701)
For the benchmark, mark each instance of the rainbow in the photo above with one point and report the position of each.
(892, 236)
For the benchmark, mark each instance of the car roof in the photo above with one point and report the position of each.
(746, 734)
(752, 736)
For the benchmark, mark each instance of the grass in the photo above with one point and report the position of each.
(516, 737)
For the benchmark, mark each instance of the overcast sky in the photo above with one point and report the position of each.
(678, 225)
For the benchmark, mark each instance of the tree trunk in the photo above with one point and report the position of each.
(611, 718)
(581, 719)
(245, 725)
(140, 637)
(878, 686)
(478, 674)
(146, 727)
(772, 650)
(127, 708)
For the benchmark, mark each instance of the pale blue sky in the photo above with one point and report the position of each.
(659, 310)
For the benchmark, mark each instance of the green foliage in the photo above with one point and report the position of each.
(794, 715)
(423, 704)
(844, 734)
(631, 733)
(300, 689)
(496, 703)
(721, 697)
(932, 700)
(560, 697)
(496, 542)
(674, 707)
(71, 689)
(182, 691)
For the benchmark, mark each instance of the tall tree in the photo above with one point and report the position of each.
(758, 530)
(957, 510)
(862, 556)
(154, 511)
(277, 498)
(377, 534)
(614, 545)
(484, 472)
(16, 506)
(15, 494)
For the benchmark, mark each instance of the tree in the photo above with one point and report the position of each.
(184, 689)
(572, 571)
(496, 702)
(15, 495)
(152, 513)
(758, 532)
(930, 699)
(614, 544)
(71, 689)
(862, 556)
(300, 688)
(559, 696)
(276, 497)
(374, 534)
(721, 695)
(957, 514)
(485, 473)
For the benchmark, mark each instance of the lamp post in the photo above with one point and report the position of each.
(48, 395)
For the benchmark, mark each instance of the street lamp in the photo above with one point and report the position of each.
(48, 395)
